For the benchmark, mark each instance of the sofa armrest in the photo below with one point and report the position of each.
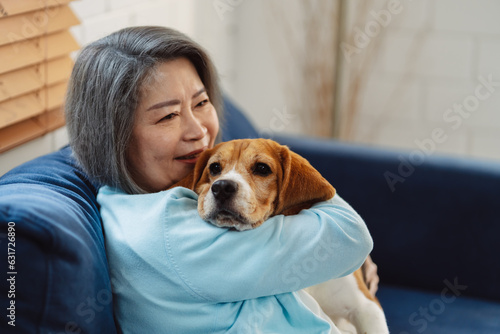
(434, 220)
(60, 281)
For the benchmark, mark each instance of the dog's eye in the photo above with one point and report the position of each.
(261, 169)
(215, 168)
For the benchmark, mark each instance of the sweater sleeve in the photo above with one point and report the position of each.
(285, 254)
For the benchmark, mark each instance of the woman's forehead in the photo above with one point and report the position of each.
(167, 76)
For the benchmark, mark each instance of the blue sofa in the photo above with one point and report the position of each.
(434, 221)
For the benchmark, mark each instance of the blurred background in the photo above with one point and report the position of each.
(415, 75)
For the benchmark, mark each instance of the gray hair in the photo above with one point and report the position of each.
(104, 91)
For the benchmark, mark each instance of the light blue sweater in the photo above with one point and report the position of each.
(172, 272)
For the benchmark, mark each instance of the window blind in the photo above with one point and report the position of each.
(35, 64)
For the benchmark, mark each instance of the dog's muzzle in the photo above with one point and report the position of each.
(224, 213)
(224, 190)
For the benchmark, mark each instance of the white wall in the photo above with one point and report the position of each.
(260, 87)
(427, 58)
(430, 56)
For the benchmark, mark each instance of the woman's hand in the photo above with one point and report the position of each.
(370, 275)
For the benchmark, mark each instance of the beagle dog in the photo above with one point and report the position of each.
(241, 183)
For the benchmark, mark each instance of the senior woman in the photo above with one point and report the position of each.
(142, 104)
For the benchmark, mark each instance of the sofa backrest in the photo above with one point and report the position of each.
(62, 280)
(235, 124)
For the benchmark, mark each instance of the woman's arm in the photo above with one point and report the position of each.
(285, 254)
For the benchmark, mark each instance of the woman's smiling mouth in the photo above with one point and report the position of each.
(191, 157)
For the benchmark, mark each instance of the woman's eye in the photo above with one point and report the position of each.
(202, 103)
(168, 117)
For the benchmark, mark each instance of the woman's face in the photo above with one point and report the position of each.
(174, 122)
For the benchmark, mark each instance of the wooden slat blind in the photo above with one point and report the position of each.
(34, 67)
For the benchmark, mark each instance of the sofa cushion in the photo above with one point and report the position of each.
(61, 281)
(447, 311)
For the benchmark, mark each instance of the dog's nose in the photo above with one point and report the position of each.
(224, 189)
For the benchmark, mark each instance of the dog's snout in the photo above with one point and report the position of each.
(224, 189)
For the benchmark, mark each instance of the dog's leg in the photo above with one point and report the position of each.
(331, 296)
(368, 318)
(342, 298)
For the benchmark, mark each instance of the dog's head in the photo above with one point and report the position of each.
(241, 183)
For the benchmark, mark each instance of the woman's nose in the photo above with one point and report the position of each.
(194, 129)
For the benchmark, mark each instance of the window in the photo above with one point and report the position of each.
(35, 65)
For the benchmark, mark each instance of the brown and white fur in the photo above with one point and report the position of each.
(242, 183)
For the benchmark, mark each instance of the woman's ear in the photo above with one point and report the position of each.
(300, 185)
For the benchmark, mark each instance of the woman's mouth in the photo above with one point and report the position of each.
(191, 157)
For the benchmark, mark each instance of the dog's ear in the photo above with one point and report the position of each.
(300, 185)
(194, 177)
